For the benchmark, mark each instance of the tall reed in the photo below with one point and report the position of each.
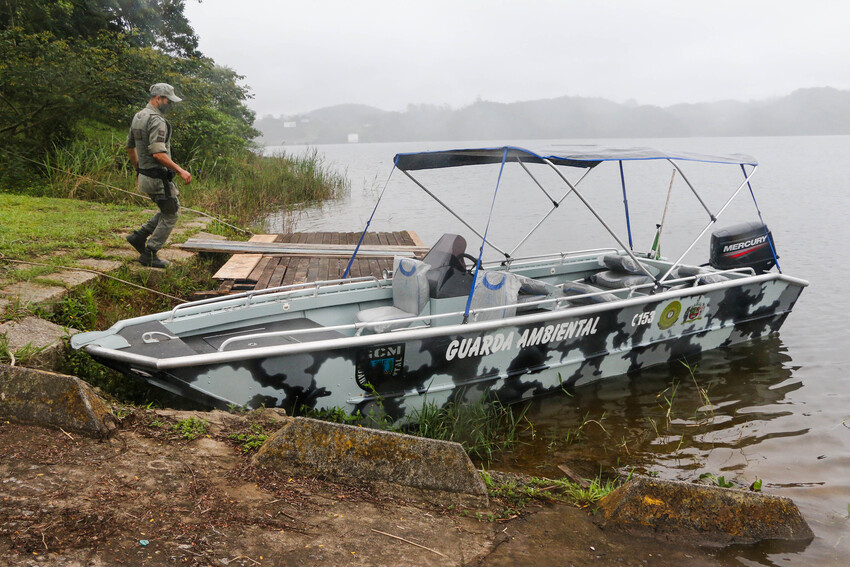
(243, 187)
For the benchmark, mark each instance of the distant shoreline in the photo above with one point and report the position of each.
(812, 111)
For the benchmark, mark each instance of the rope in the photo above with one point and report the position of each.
(180, 299)
(114, 188)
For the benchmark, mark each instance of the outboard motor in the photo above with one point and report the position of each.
(745, 245)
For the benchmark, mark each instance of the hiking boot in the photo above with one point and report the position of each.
(137, 240)
(148, 258)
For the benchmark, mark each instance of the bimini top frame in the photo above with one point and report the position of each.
(583, 157)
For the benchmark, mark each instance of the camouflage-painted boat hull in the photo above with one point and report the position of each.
(510, 359)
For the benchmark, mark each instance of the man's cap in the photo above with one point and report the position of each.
(166, 90)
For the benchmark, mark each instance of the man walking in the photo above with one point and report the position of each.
(149, 149)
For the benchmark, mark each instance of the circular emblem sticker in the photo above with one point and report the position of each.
(670, 315)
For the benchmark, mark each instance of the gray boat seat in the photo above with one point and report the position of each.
(701, 275)
(622, 272)
(410, 296)
(572, 289)
(495, 289)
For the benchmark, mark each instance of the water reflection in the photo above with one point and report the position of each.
(675, 420)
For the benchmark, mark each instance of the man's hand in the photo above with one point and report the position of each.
(165, 161)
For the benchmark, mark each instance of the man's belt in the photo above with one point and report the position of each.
(160, 173)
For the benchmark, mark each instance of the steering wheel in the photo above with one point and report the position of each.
(473, 259)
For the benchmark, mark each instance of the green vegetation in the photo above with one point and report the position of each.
(251, 439)
(36, 226)
(485, 429)
(20, 356)
(62, 129)
(515, 492)
(191, 428)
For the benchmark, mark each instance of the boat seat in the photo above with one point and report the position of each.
(447, 275)
(701, 275)
(410, 296)
(496, 289)
(622, 272)
(571, 289)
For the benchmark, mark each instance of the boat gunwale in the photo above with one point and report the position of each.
(403, 335)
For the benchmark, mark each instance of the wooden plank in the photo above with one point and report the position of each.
(263, 281)
(263, 238)
(302, 266)
(373, 248)
(276, 279)
(291, 265)
(259, 270)
(415, 238)
(238, 267)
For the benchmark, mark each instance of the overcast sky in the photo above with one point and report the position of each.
(298, 56)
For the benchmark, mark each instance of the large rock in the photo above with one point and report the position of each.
(52, 400)
(437, 471)
(701, 515)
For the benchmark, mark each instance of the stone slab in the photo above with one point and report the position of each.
(34, 293)
(99, 264)
(436, 471)
(73, 278)
(53, 400)
(128, 252)
(174, 254)
(42, 335)
(700, 514)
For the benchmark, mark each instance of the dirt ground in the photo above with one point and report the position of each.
(149, 497)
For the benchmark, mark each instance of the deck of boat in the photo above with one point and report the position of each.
(312, 256)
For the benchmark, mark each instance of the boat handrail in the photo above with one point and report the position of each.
(425, 319)
(523, 260)
(286, 290)
(428, 318)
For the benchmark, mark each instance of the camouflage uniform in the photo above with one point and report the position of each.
(150, 133)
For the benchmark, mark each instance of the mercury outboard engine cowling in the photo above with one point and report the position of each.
(745, 245)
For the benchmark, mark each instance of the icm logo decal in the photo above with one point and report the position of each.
(377, 364)
(670, 314)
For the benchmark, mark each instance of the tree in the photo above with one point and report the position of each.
(65, 62)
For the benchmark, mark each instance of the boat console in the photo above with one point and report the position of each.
(449, 275)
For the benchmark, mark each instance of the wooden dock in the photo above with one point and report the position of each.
(273, 260)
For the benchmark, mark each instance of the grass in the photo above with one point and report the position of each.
(485, 429)
(105, 301)
(39, 226)
(252, 186)
(241, 189)
(21, 356)
(515, 492)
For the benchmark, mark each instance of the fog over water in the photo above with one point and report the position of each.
(301, 56)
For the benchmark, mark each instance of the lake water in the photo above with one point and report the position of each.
(775, 410)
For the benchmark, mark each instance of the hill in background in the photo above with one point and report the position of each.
(813, 111)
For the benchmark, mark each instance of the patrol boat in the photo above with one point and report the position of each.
(450, 327)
